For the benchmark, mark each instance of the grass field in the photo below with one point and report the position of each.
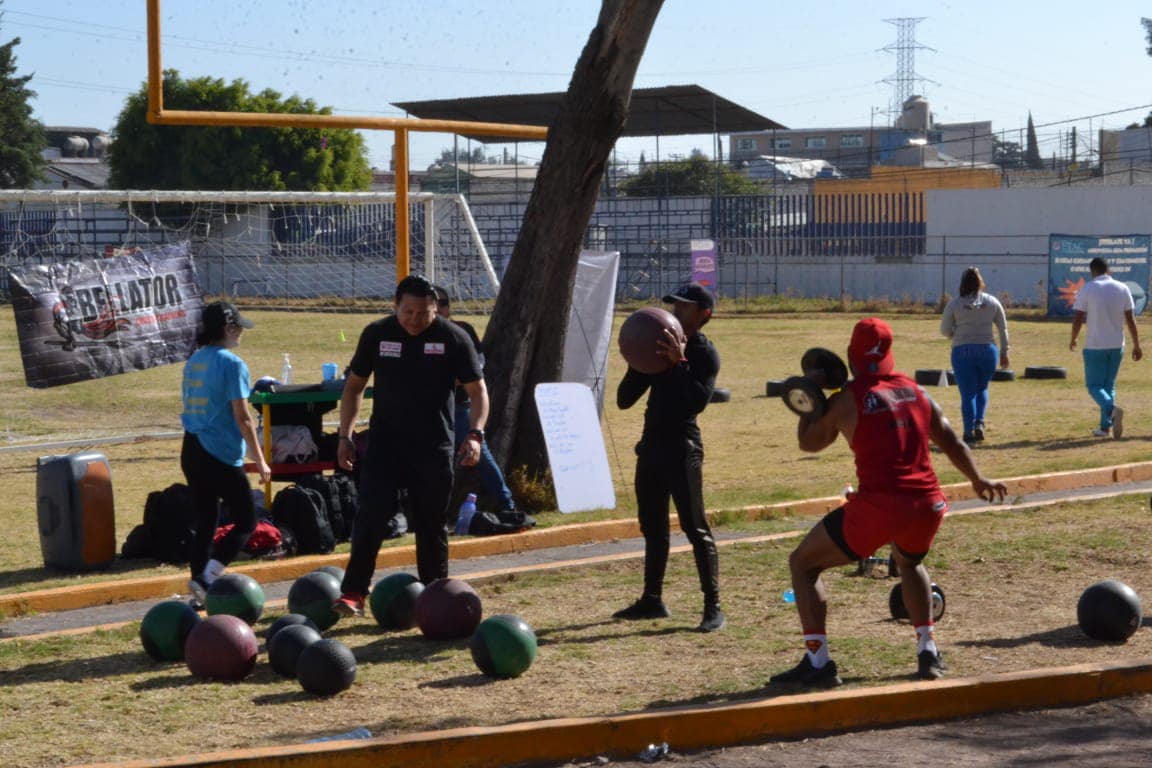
(1034, 426)
(1012, 580)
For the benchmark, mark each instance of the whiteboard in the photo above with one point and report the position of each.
(575, 445)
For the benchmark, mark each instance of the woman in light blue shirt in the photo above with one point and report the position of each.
(218, 426)
(969, 320)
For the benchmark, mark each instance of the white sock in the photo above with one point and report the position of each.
(213, 571)
(817, 646)
(926, 641)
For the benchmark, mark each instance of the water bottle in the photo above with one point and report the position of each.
(286, 371)
(467, 511)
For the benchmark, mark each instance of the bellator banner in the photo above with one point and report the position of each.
(91, 318)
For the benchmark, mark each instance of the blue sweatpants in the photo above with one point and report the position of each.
(1100, 369)
(973, 365)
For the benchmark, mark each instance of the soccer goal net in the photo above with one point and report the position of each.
(322, 248)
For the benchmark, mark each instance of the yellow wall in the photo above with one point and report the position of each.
(901, 179)
(892, 194)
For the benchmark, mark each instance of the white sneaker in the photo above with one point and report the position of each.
(1101, 433)
(1117, 422)
(198, 589)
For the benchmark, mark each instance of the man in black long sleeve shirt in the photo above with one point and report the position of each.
(670, 456)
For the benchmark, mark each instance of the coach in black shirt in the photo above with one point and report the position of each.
(415, 359)
(670, 456)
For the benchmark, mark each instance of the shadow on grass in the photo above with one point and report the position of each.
(404, 648)
(30, 577)
(543, 637)
(79, 670)
(1064, 637)
(475, 680)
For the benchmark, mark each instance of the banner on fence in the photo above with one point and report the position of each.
(90, 318)
(1068, 259)
(704, 263)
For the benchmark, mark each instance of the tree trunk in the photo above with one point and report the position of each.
(524, 343)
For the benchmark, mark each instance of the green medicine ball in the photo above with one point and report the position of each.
(503, 646)
(165, 628)
(236, 594)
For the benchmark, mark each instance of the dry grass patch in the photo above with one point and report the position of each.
(1012, 580)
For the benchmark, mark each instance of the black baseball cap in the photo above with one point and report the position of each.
(220, 314)
(692, 293)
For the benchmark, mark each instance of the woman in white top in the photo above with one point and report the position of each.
(969, 320)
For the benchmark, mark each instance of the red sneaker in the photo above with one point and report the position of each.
(349, 604)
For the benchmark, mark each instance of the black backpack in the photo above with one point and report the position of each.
(304, 511)
(340, 497)
(167, 530)
(497, 523)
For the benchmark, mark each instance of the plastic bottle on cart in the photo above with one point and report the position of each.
(286, 371)
(467, 511)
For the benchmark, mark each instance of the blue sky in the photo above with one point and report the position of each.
(802, 64)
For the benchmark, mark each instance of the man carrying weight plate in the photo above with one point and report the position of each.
(888, 421)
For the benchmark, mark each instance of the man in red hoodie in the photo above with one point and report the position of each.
(888, 421)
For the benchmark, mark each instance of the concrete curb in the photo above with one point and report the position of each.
(694, 728)
(106, 592)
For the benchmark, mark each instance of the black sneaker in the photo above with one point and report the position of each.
(807, 675)
(931, 665)
(647, 607)
(713, 620)
(978, 432)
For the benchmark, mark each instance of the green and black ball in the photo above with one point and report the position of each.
(165, 628)
(503, 646)
(236, 594)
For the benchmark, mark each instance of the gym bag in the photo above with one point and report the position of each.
(167, 530)
(340, 498)
(304, 511)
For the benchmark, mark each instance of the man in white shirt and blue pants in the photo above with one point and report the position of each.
(1106, 305)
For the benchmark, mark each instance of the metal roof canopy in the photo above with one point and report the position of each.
(673, 110)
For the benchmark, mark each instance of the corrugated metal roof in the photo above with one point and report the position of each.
(673, 110)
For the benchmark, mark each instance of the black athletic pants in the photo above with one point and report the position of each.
(211, 481)
(673, 469)
(427, 476)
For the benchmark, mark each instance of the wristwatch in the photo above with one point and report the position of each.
(476, 433)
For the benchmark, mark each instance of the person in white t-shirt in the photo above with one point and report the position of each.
(1106, 306)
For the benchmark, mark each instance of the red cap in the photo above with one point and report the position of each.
(870, 351)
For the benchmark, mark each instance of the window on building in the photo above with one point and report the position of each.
(747, 145)
(815, 142)
(782, 144)
(851, 140)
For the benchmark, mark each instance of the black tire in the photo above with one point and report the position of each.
(1045, 372)
(720, 395)
(1003, 375)
(930, 377)
(774, 388)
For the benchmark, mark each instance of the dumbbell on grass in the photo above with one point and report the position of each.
(823, 369)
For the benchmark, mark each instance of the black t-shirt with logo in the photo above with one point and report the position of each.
(414, 378)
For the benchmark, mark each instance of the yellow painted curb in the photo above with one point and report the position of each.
(107, 592)
(694, 728)
(477, 578)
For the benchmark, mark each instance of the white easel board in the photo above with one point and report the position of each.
(575, 445)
